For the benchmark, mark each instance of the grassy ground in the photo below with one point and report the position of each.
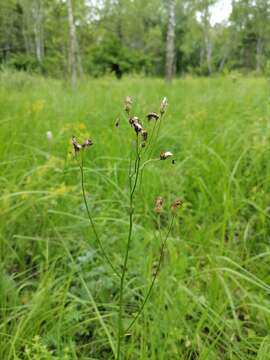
(58, 300)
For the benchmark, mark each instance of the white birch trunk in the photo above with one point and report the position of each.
(74, 55)
(259, 52)
(38, 29)
(170, 42)
(208, 47)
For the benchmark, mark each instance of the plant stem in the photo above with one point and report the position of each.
(154, 277)
(155, 139)
(132, 191)
(81, 165)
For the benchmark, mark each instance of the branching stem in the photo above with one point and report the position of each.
(163, 245)
(132, 191)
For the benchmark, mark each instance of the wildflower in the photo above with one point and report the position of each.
(128, 104)
(82, 126)
(77, 147)
(135, 122)
(159, 205)
(137, 127)
(165, 155)
(163, 106)
(87, 143)
(152, 116)
(144, 134)
(176, 204)
(38, 106)
(49, 136)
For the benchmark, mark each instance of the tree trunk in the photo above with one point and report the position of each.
(74, 55)
(207, 38)
(208, 48)
(227, 51)
(38, 29)
(259, 52)
(170, 42)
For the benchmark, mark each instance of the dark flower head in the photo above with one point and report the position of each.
(159, 205)
(152, 116)
(165, 155)
(144, 134)
(87, 143)
(128, 104)
(77, 147)
(177, 204)
(133, 120)
(137, 127)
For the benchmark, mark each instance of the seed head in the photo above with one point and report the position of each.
(159, 205)
(137, 127)
(77, 147)
(177, 204)
(165, 155)
(87, 143)
(152, 116)
(128, 104)
(163, 106)
(133, 120)
(144, 134)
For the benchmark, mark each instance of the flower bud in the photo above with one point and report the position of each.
(159, 205)
(163, 106)
(165, 155)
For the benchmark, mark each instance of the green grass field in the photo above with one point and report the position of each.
(58, 299)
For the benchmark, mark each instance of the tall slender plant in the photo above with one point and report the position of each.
(143, 149)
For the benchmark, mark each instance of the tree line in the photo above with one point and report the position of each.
(153, 37)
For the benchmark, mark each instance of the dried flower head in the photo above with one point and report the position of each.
(128, 104)
(144, 134)
(165, 155)
(77, 147)
(163, 106)
(177, 204)
(152, 116)
(135, 122)
(159, 205)
(87, 143)
(137, 127)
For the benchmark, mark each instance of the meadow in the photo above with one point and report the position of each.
(58, 298)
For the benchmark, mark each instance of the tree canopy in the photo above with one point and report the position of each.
(132, 36)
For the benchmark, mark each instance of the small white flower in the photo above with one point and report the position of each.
(49, 136)
(163, 105)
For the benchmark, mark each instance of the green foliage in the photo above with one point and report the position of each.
(267, 69)
(24, 62)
